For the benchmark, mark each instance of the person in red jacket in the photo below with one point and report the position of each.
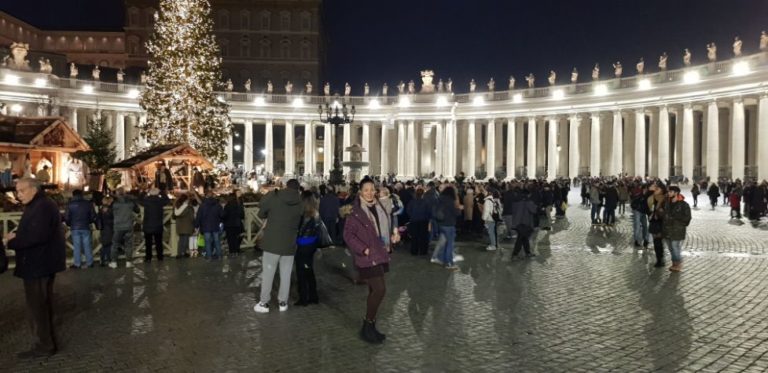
(370, 234)
(735, 200)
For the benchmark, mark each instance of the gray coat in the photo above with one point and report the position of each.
(125, 210)
(283, 210)
(523, 211)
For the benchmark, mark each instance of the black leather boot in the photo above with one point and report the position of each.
(379, 335)
(368, 334)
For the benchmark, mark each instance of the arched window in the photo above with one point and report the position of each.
(305, 51)
(265, 48)
(306, 21)
(245, 20)
(133, 44)
(265, 20)
(285, 20)
(285, 49)
(245, 46)
(133, 16)
(224, 47)
(224, 20)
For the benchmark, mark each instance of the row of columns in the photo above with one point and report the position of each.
(456, 146)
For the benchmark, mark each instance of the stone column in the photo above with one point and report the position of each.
(401, 149)
(738, 140)
(412, 149)
(309, 148)
(290, 152)
(617, 145)
(510, 148)
(120, 136)
(490, 154)
(762, 133)
(531, 164)
(573, 146)
(713, 141)
(346, 140)
(640, 143)
(327, 149)
(269, 158)
(142, 139)
(440, 148)
(552, 158)
(385, 168)
(366, 144)
(450, 151)
(663, 159)
(73, 119)
(687, 141)
(230, 149)
(248, 146)
(594, 145)
(471, 149)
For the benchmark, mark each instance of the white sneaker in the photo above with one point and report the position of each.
(490, 248)
(436, 261)
(458, 258)
(283, 306)
(113, 265)
(261, 308)
(128, 264)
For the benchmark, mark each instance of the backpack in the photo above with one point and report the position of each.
(308, 232)
(495, 215)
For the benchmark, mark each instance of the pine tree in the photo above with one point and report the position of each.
(184, 71)
(102, 153)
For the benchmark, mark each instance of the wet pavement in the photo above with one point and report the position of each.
(588, 302)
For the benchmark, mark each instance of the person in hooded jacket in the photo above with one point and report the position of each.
(521, 220)
(234, 214)
(714, 193)
(124, 210)
(283, 210)
(676, 217)
(208, 221)
(184, 213)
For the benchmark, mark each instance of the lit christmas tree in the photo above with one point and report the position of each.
(184, 71)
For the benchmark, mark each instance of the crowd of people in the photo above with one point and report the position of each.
(372, 219)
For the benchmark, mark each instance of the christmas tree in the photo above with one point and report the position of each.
(102, 154)
(184, 71)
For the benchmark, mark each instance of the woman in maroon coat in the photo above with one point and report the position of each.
(369, 234)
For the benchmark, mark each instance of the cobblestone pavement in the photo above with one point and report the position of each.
(588, 302)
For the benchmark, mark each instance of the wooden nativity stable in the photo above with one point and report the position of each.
(27, 144)
(181, 159)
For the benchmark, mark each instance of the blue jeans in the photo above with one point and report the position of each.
(81, 241)
(640, 226)
(450, 237)
(595, 212)
(675, 249)
(490, 226)
(212, 243)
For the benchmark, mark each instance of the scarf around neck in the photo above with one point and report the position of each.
(383, 228)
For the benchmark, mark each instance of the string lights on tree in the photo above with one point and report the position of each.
(184, 73)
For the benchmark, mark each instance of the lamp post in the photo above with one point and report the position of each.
(336, 115)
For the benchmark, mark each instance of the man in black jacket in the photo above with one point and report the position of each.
(79, 216)
(40, 254)
(153, 205)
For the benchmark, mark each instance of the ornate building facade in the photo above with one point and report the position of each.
(261, 40)
(706, 120)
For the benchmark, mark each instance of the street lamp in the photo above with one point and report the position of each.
(336, 115)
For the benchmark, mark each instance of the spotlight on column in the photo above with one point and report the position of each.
(133, 93)
(336, 104)
(601, 90)
(16, 109)
(517, 98)
(88, 89)
(374, 104)
(319, 150)
(238, 148)
(441, 101)
(741, 68)
(41, 82)
(558, 94)
(644, 84)
(404, 102)
(691, 77)
(297, 102)
(264, 151)
(259, 101)
(11, 79)
(221, 99)
(478, 101)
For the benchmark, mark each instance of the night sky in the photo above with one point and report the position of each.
(392, 40)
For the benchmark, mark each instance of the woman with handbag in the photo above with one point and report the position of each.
(369, 234)
(310, 235)
(657, 202)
